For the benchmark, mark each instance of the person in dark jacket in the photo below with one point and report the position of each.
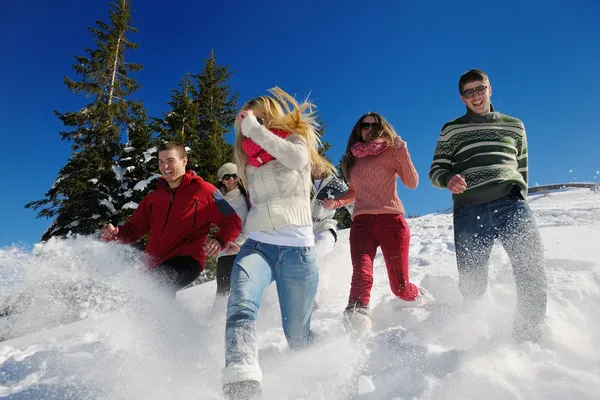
(178, 216)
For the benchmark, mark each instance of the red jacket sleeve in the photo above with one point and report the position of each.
(137, 226)
(221, 214)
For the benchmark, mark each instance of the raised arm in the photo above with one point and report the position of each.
(291, 151)
(404, 166)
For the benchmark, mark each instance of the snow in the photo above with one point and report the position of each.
(153, 348)
(93, 180)
(130, 205)
(141, 185)
(118, 172)
(106, 203)
(60, 178)
(148, 154)
(73, 224)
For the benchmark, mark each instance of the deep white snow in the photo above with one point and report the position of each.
(154, 348)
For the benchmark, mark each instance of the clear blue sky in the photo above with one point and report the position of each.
(399, 58)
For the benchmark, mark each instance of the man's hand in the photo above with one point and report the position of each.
(108, 232)
(457, 184)
(232, 248)
(212, 247)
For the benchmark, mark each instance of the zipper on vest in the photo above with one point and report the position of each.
(167, 218)
(195, 208)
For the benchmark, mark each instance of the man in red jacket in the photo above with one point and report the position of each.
(178, 216)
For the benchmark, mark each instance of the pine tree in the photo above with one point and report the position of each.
(181, 123)
(82, 198)
(137, 168)
(325, 145)
(138, 165)
(217, 108)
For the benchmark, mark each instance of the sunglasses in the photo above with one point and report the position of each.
(481, 89)
(229, 176)
(367, 125)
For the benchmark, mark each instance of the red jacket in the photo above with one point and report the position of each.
(179, 221)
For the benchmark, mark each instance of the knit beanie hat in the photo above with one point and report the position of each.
(228, 168)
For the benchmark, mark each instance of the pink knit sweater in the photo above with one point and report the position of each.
(373, 181)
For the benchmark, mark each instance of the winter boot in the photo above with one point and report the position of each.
(242, 390)
(527, 331)
(357, 318)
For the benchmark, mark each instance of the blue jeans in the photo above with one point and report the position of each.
(294, 270)
(510, 220)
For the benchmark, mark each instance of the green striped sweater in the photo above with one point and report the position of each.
(491, 155)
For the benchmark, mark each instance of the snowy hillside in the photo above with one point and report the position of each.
(154, 349)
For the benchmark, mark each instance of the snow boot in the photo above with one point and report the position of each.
(526, 331)
(242, 390)
(357, 318)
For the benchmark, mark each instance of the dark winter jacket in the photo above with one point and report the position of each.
(329, 188)
(179, 220)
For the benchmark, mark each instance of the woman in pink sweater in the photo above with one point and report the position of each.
(374, 157)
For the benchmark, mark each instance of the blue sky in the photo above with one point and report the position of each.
(401, 59)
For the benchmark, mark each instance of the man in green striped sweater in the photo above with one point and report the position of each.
(481, 158)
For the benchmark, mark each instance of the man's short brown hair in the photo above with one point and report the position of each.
(472, 75)
(178, 147)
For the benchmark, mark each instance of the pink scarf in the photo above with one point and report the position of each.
(258, 156)
(362, 150)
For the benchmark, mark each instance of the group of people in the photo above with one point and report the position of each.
(274, 210)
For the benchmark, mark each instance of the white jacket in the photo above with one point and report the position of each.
(323, 218)
(280, 189)
(237, 200)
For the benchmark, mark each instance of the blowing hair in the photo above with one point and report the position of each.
(384, 131)
(283, 112)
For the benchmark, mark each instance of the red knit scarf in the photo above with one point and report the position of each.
(361, 149)
(258, 156)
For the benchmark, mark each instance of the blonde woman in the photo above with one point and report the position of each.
(276, 146)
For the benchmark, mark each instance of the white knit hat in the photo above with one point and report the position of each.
(228, 168)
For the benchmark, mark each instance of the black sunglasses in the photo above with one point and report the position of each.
(367, 125)
(481, 89)
(229, 176)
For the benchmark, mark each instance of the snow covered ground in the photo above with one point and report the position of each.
(154, 348)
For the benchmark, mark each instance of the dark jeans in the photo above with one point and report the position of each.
(176, 273)
(224, 267)
(510, 220)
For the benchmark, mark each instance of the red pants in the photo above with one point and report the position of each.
(391, 232)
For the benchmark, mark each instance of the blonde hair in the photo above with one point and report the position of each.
(385, 132)
(283, 112)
